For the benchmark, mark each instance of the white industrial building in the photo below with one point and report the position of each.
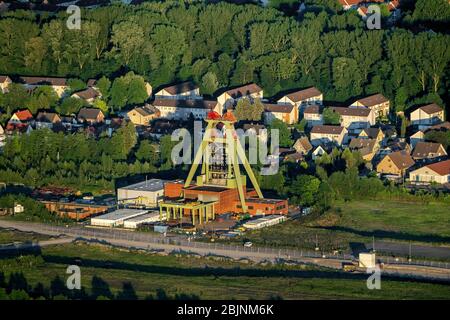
(146, 193)
(116, 218)
(133, 223)
(264, 222)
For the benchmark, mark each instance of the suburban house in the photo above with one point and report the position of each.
(184, 90)
(366, 147)
(313, 116)
(428, 151)
(89, 95)
(143, 115)
(326, 134)
(294, 157)
(395, 163)
(69, 122)
(318, 152)
(372, 133)
(58, 84)
(428, 115)
(5, 81)
(350, 4)
(90, 115)
(438, 172)
(2, 136)
(230, 97)
(355, 119)
(257, 130)
(284, 112)
(303, 98)
(443, 126)
(22, 116)
(416, 137)
(181, 109)
(47, 120)
(377, 102)
(302, 146)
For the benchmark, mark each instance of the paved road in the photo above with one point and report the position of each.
(420, 251)
(37, 244)
(151, 242)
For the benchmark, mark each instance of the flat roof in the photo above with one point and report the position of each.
(264, 200)
(120, 214)
(149, 185)
(265, 218)
(144, 216)
(208, 188)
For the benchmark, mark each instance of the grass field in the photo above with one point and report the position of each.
(146, 275)
(359, 221)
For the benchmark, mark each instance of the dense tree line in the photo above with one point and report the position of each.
(221, 45)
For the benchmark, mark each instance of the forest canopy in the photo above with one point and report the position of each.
(221, 45)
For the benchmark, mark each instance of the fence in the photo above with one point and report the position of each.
(225, 249)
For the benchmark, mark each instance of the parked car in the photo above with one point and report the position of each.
(248, 244)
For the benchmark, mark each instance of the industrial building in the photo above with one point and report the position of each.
(264, 222)
(220, 187)
(116, 218)
(143, 194)
(135, 222)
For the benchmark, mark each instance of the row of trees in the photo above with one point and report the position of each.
(220, 45)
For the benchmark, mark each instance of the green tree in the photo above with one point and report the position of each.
(331, 117)
(305, 187)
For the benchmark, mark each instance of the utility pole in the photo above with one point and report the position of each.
(373, 243)
(410, 249)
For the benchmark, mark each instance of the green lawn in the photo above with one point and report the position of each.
(206, 278)
(358, 221)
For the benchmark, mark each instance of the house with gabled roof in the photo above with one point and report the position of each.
(428, 115)
(424, 151)
(438, 172)
(47, 120)
(377, 102)
(366, 147)
(324, 134)
(372, 133)
(416, 137)
(21, 116)
(396, 163)
(141, 116)
(5, 81)
(60, 85)
(230, 97)
(355, 119)
(182, 109)
(91, 115)
(302, 146)
(313, 115)
(183, 90)
(284, 112)
(89, 94)
(303, 98)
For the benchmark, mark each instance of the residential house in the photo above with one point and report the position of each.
(416, 137)
(355, 119)
(318, 152)
(395, 163)
(444, 126)
(2, 136)
(257, 130)
(163, 127)
(47, 120)
(377, 102)
(69, 122)
(424, 151)
(372, 133)
(90, 115)
(326, 134)
(58, 84)
(303, 98)
(141, 116)
(302, 146)
(5, 81)
(294, 157)
(428, 115)
(182, 109)
(350, 4)
(21, 116)
(184, 90)
(313, 116)
(366, 147)
(284, 112)
(89, 95)
(230, 97)
(438, 172)
(18, 128)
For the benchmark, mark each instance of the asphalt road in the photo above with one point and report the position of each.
(418, 251)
